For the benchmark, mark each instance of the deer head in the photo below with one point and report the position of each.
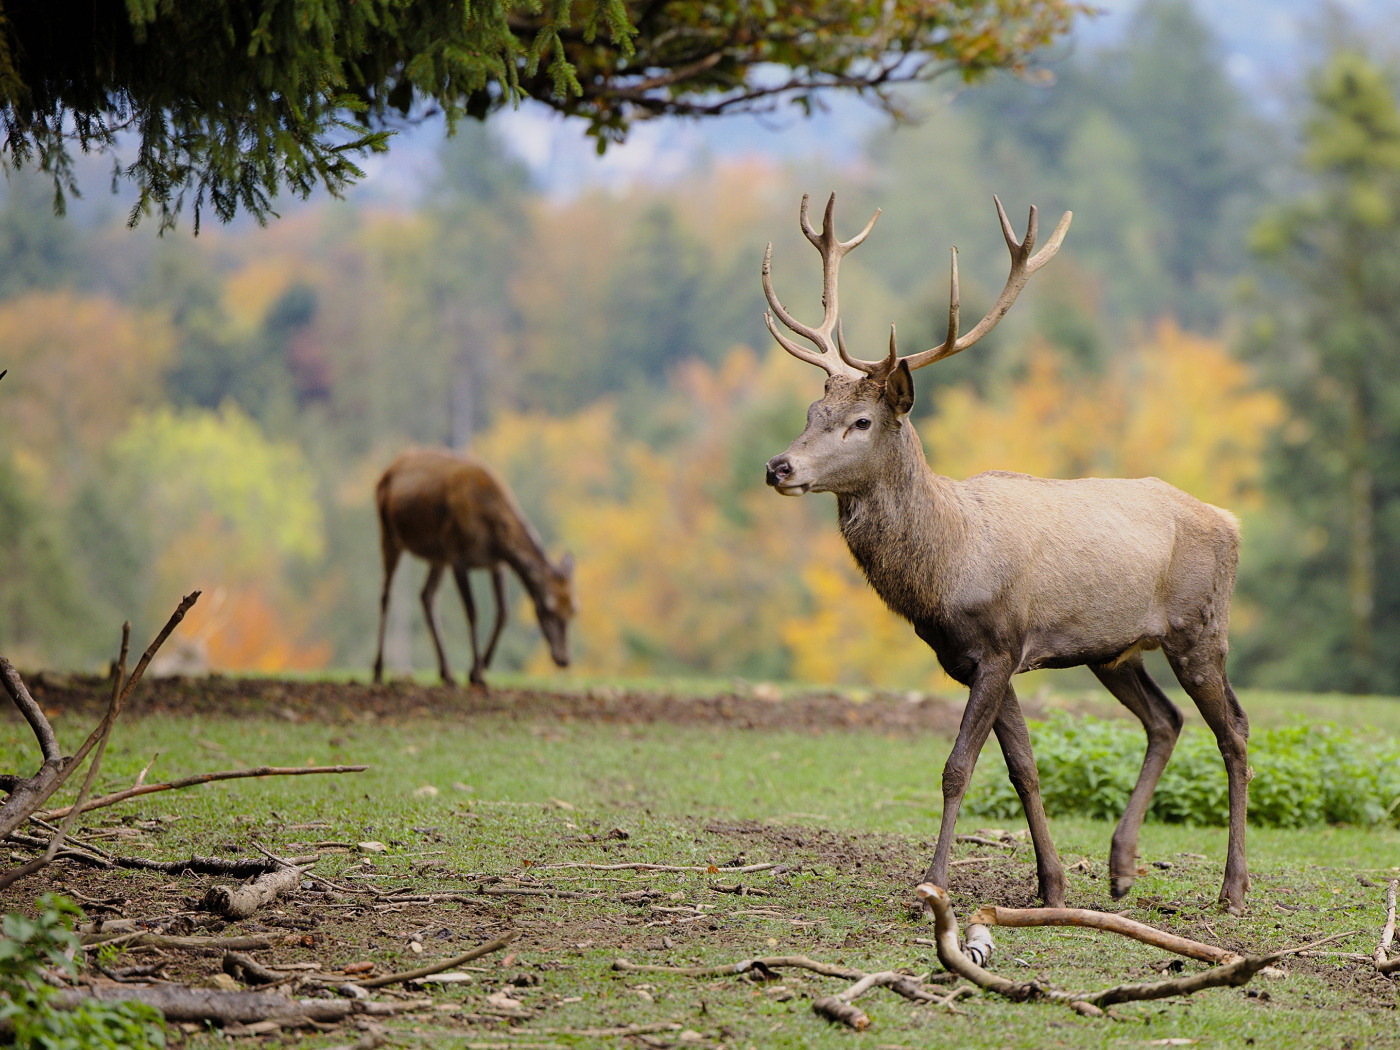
(554, 607)
(859, 426)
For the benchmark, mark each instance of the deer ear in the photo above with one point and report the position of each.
(566, 565)
(899, 389)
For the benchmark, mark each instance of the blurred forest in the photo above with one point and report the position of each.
(1225, 314)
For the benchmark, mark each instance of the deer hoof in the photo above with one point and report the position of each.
(1119, 885)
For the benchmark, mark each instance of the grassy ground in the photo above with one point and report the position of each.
(848, 817)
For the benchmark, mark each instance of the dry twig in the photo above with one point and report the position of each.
(201, 778)
(770, 962)
(1090, 1003)
(437, 967)
(991, 915)
(638, 866)
(1383, 964)
(27, 794)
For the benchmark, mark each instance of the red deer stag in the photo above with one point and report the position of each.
(1004, 572)
(454, 511)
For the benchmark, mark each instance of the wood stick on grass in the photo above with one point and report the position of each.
(637, 866)
(437, 967)
(1090, 1003)
(1383, 964)
(991, 915)
(239, 902)
(180, 1002)
(770, 962)
(162, 940)
(201, 778)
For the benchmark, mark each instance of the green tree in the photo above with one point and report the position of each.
(1328, 571)
(1152, 146)
(232, 103)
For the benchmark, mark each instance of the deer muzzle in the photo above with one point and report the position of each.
(780, 470)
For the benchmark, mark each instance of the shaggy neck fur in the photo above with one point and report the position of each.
(905, 529)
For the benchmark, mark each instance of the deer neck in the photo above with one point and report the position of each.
(905, 529)
(525, 554)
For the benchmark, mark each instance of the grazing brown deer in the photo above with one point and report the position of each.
(455, 511)
(1004, 573)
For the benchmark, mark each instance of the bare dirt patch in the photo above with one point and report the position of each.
(340, 702)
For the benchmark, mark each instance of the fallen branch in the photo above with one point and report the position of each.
(239, 902)
(771, 962)
(200, 778)
(991, 915)
(1383, 964)
(143, 938)
(179, 1002)
(248, 970)
(1090, 1003)
(437, 967)
(840, 1007)
(604, 1033)
(637, 866)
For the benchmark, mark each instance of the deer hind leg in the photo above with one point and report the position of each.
(989, 687)
(1200, 668)
(430, 587)
(498, 588)
(1135, 690)
(464, 587)
(391, 563)
(1015, 744)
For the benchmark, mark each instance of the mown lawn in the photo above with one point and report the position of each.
(847, 816)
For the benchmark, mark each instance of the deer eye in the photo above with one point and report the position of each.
(862, 423)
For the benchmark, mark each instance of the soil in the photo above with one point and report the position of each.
(333, 929)
(748, 707)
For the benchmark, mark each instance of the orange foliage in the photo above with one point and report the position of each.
(244, 629)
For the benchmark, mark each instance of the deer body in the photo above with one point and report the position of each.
(455, 512)
(1004, 573)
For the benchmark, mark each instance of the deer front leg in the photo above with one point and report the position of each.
(1015, 743)
(498, 588)
(984, 702)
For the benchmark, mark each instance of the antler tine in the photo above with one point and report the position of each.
(1023, 265)
(822, 341)
(797, 351)
(832, 250)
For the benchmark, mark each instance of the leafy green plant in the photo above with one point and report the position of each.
(1304, 775)
(31, 946)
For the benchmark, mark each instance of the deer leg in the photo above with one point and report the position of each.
(464, 588)
(984, 701)
(1015, 744)
(498, 588)
(391, 562)
(1130, 683)
(430, 587)
(1201, 672)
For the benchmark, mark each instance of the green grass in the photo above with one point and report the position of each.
(508, 797)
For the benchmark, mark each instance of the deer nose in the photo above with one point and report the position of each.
(779, 467)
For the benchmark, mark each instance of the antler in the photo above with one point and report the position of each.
(832, 251)
(1023, 264)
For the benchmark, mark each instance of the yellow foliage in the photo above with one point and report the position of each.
(1179, 407)
(78, 367)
